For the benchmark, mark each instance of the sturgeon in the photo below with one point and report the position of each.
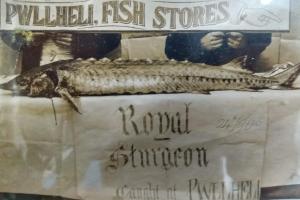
(93, 77)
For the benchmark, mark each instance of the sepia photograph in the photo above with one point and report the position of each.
(149, 100)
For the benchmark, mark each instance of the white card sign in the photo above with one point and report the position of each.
(183, 146)
(145, 15)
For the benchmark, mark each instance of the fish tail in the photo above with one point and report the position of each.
(286, 74)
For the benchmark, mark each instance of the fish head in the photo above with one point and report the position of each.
(38, 85)
(42, 86)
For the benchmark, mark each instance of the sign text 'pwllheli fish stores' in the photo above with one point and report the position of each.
(143, 15)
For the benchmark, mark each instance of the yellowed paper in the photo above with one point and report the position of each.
(204, 149)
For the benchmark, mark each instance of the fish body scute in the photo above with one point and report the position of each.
(125, 77)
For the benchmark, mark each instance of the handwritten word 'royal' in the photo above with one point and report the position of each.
(150, 123)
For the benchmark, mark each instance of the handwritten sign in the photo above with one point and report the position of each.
(145, 15)
(145, 147)
(159, 148)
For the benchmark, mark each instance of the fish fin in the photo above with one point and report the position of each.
(201, 92)
(276, 69)
(286, 74)
(64, 93)
(238, 65)
(54, 111)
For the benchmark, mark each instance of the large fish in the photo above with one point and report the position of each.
(104, 77)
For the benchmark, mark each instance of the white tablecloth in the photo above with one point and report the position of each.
(248, 136)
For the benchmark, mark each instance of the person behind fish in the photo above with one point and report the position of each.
(39, 48)
(216, 48)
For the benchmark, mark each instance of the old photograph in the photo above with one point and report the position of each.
(149, 100)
